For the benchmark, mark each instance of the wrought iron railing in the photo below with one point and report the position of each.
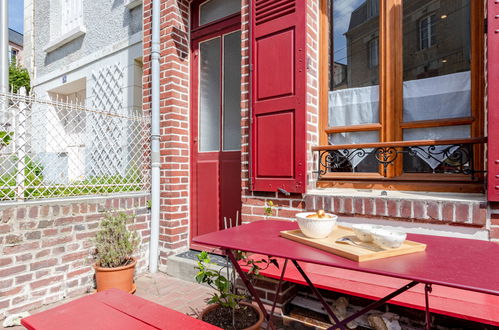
(427, 156)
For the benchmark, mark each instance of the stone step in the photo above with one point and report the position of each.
(183, 265)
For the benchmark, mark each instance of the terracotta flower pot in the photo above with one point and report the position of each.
(119, 277)
(255, 326)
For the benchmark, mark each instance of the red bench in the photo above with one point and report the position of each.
(112, 309)
(448, 301)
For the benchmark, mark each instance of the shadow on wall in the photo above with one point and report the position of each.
(133, 19)
(64, 50)
(118, 3)
(180, 45)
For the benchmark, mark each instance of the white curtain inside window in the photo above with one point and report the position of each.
(446, 96)
(440, 97)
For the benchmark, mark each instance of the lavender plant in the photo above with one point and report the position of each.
(114, 243)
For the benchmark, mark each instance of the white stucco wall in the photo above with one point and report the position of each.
(104, 57)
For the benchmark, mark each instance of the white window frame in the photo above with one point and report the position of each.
(373, 50)
(13, 53)
(430, 41)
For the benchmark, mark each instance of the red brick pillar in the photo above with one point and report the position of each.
(174, 110)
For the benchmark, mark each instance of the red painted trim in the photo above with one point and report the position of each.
(217, 26)
(223, 22)
(493, 100)
(294, 102)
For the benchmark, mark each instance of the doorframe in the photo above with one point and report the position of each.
(199, 34)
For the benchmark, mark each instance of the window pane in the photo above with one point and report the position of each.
(436, 61)
(209, 95)
(232, 92)
(212, 10)
(354, 94)
(355, 160)
(438, 158)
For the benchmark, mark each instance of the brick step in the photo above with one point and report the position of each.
(472, 306)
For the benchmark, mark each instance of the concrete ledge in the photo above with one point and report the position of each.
(130, 4)
(65, 38)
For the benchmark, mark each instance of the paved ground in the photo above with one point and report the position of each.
(183, 296)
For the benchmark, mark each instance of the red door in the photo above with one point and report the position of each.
(215, 122)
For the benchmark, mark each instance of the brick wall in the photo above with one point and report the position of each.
(46, 246)
(175, 157)
(285, 206)
(174, 125)
(404, 207)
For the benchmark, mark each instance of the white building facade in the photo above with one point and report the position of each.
(88, 53)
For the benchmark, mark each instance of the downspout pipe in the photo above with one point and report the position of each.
(155, 136)
(4, 46)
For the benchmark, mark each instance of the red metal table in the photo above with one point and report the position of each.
(112, 309)
(460, 263)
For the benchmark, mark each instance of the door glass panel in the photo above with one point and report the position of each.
(437, 61)
(209, 95)
(213, 10)
(232, 92)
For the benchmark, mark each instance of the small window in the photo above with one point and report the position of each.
(373, 53)
(427, 35)
(373, 9)
(213, 10)
(13, 55)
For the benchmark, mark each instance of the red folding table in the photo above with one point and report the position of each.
(454, 262)
(112, 309)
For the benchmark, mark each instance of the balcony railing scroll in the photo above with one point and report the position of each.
(455, 156)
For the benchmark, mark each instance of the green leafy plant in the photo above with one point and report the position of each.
(227, 295)
(267, 210)
(5, 138)
(18, 77)
(114, 243)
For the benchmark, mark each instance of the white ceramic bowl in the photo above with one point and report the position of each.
(388, 238)
(364, 231)
(316, 228)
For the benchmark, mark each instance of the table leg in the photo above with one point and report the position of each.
(278, 290)
(319, 296)
(427, 290)
(249, 286)
(377, 303)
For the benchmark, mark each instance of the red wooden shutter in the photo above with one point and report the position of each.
(278, 95)
(493, 99)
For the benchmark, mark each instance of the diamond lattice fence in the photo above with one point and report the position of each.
(52, 149)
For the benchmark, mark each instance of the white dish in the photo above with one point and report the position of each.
(364, 231)
(316, 228)
(388, 238)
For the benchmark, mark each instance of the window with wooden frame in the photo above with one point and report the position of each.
(415, 117)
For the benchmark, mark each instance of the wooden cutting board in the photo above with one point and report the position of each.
(363, 252)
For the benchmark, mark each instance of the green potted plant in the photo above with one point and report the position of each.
(227, 308)
(114, 247)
